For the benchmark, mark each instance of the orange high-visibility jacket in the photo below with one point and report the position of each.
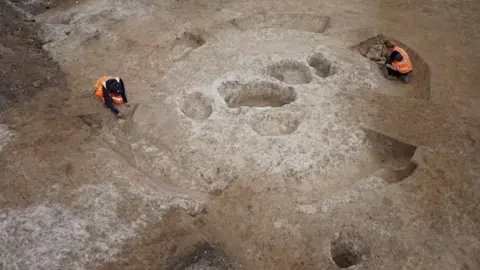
(405, 65)
(101, 83)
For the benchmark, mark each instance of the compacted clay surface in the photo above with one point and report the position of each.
(261, 135)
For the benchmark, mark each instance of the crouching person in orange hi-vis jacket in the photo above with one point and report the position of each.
(111, 90)
(398, 63)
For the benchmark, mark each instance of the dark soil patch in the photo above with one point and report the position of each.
(348, 249)
(25, 67)
(37, 7)
(33, 91)
(203, 257)
(174, 243)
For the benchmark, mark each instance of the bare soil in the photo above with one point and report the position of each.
(26, 67)
(81, 190)
(421, 78)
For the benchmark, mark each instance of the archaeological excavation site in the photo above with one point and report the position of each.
(257, 135)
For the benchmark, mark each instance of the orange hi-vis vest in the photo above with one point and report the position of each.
(117, 99)
(405, 65)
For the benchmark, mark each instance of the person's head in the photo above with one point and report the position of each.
(389, 45)
(113, 86)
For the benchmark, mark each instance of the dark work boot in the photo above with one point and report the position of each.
(407, 78)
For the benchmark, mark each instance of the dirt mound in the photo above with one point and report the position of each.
(33, 89)
(372, 49)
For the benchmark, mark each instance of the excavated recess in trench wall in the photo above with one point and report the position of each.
(421, 72)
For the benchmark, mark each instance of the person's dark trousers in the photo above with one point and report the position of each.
(392, 72)
(405, 77)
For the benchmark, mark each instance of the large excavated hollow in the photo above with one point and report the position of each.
(256, 94)
(421, 73)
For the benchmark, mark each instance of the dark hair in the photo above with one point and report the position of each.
(113, 86)
(388, 44)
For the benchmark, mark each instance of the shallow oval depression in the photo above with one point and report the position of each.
(256, 94)
(196, 106)
(275, 123)
(323, 67)
(290, 72)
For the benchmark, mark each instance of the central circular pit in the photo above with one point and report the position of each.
(256, 94)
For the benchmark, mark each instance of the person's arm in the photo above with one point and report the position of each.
(388, 62)
(122, 92)
(108, 101)
(389, 59)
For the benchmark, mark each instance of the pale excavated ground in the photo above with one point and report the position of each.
(351, 170)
